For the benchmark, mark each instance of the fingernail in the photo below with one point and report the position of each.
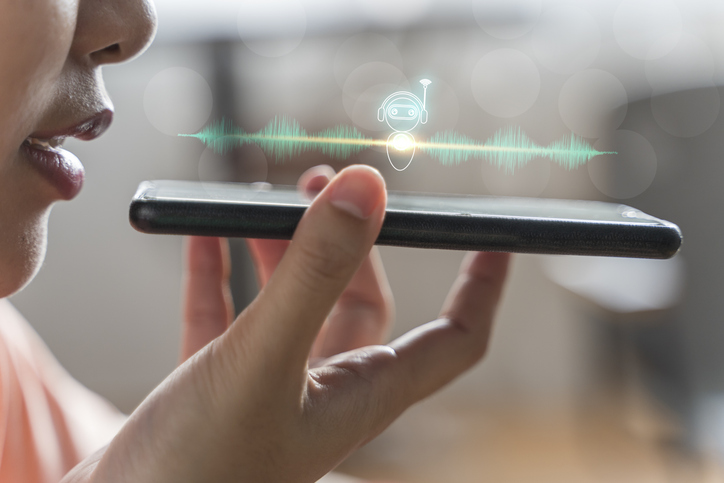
(357, 192)
(315, 185)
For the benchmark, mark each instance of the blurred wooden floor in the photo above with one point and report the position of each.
(599, 442)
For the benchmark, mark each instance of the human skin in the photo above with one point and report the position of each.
(301, 378)
(267, 400)
(51, 52)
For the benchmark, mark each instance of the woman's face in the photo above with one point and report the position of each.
(51, 88)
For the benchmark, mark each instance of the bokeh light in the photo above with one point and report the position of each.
(509, 19)
(647, 29)
(592, 103)
(505, 83)
(178, 100)
(272, 28)
(567, 39)
(628, 173)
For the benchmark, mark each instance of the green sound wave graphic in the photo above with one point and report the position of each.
(283, 139)
(509, 148)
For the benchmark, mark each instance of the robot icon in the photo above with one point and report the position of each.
(403, 111)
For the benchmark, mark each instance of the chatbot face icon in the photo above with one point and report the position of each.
(403, 111)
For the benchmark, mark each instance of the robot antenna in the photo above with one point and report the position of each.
(425, 83)
(423, 114)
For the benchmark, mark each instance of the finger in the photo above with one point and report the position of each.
(382, 381)
(333, 238)
(364, 312)
(313, 180)
(363, 315)
(267, 254)
(434, 354)
(208, 306)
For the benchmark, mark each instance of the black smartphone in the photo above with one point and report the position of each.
(455, 222)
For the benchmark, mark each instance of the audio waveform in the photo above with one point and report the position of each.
(509, 148)
(283, 139)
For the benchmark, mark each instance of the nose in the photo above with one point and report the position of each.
(112, 31)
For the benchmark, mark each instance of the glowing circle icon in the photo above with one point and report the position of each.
(402, 141)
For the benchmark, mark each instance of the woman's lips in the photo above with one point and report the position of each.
(86, 130)
(60, 167)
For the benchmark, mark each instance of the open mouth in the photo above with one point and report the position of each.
(44, 151)
(45, 144)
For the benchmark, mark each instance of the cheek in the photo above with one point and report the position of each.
(35, 38)
(22, 249)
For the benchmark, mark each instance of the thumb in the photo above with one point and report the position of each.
(333, 238)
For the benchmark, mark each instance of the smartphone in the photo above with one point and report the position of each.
(454, 222)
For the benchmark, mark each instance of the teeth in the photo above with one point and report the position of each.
(47, 144)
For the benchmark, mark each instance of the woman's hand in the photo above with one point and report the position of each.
(362, 316)
(363, 313)
(248, 406)
(208, 306)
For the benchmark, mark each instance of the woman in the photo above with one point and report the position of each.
(298, 382)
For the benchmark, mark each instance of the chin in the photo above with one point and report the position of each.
(22, 250)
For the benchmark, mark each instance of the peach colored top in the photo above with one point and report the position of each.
(48, 421)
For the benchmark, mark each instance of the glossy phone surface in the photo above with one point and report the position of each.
(483, 223)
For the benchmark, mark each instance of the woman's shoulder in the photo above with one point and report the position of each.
(35, 384)
(22, 341)
(15, 332)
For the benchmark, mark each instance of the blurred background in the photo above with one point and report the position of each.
(599, 369)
